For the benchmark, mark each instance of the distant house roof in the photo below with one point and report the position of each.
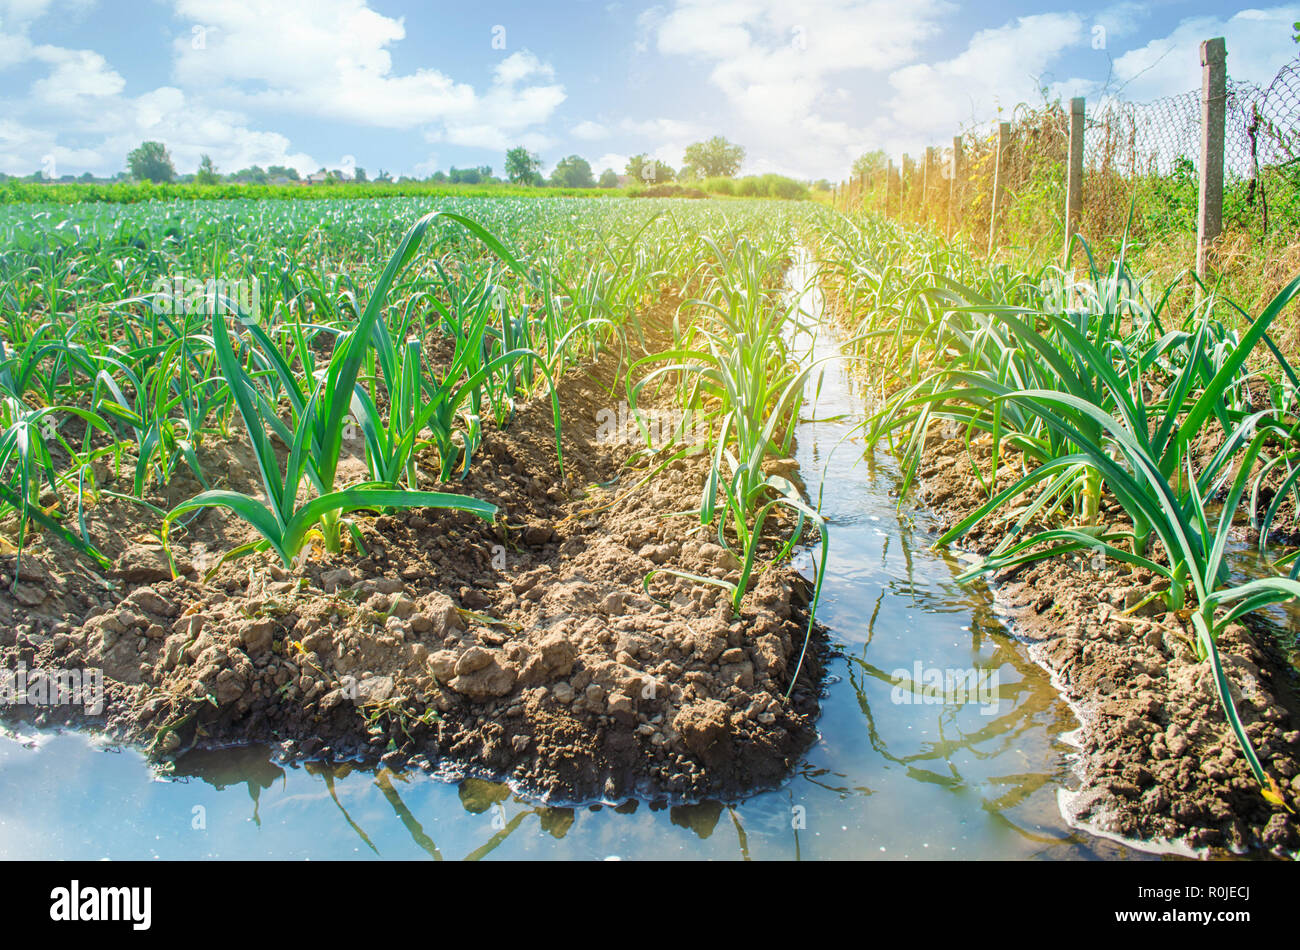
(317, 178)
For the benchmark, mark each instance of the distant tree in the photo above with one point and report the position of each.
(359, 174)
(438, 176)
(608, 178)
(470, 176)
(207, 173)
(649, 171)
(573, 171)
(523, 167)
(252, 175)
(151, 162)
(282, 171)
(383, 176)
(870, 164)
(715, 158)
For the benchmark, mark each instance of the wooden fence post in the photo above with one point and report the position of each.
(1074, 175)
(889, 183)
(956, 170)
(999, 182)
(1214, 101)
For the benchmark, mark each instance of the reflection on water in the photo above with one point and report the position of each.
(940, 777)
(1281, 621)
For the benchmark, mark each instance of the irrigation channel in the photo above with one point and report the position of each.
(970, 771)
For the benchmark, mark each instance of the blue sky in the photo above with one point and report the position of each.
(415, 86)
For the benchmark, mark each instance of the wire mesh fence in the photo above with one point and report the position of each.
(1266, 122)
(1134, 152)
(1143, 138)
(1262, 129)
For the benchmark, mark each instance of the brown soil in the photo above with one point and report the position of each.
(530, 653)
(1157, 760)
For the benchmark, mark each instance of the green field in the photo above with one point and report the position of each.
(132, 335)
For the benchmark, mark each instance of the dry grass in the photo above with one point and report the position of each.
(1155, 213)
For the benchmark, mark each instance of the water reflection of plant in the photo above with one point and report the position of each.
(249, 766)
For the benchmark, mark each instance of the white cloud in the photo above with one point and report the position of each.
(17, 14)
(589, 131)
(999, 67)
(783, 67)
(615, 160)
(661, 128)
(425, 168)
(647, 23)
(75, 74)
(15, 48)
(1119, 20)
(331, 58)
(805, 86)
(1258, 41)
(520, 66)
(773, 59)
(795, 73)
(77, 117)
(327, 58)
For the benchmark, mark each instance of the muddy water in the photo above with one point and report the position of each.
(939, 739)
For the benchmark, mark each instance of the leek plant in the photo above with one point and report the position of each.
(1094, 393)
(285, 524)
(734, 372)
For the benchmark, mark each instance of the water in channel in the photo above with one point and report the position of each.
(899, 771)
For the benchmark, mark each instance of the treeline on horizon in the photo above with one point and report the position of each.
(710, 170)
(15, 191)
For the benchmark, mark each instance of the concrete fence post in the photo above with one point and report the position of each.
(999, 182)
(906, 186)
(1214, 101)
(954, 189)
(927, 182)
(1074, 175)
